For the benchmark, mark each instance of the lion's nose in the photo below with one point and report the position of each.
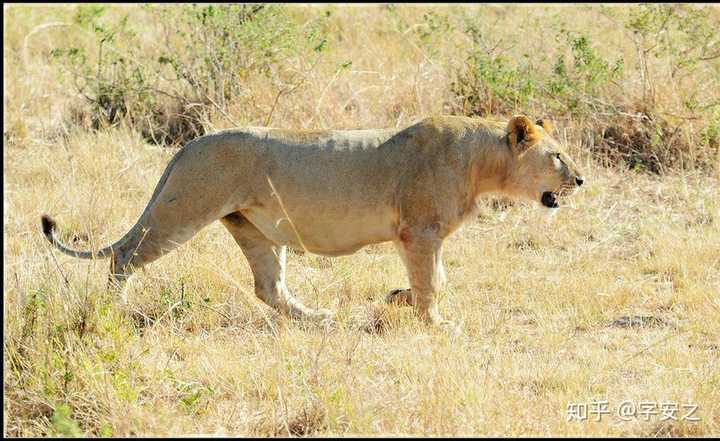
(579, 181)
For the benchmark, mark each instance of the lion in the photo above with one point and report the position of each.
(334, 192)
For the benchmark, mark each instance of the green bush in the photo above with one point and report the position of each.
(212, 49)
(492, 82)
(580, 84)
(113, 83)
(574, 85)
(200, 66)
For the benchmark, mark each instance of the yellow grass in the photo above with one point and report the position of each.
(194, 352)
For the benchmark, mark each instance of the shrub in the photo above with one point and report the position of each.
(111, 82)
(490, 83)
(642, 131)
(200, 66)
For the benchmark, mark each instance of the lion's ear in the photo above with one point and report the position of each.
(522, 133)
(545, 124)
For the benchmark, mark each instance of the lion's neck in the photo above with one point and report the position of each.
(489, 166)
(490, 160)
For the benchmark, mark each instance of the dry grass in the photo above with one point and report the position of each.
(548, 307)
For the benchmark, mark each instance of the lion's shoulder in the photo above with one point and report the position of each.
(444, 132)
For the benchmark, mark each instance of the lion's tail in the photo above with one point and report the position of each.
(135, 233)
(49, 227)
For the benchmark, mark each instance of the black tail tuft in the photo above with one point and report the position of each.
(48, 225)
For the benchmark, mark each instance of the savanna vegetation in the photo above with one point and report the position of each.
(615, 298)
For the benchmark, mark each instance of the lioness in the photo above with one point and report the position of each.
(333, 192)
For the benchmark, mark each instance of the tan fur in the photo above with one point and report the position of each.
(522, 133)
(341, 190)
(546, 125)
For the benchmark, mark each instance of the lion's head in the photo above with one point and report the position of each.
(540, 170)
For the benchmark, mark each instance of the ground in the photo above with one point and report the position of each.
(603, 319)
(613, 298)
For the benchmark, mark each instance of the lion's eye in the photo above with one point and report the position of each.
(557, 155)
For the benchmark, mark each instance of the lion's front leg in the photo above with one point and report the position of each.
(404, 297)
(421, 252)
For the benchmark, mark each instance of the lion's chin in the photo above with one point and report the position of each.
(549, 200)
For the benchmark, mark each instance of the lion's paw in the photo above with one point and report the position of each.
(401, 297)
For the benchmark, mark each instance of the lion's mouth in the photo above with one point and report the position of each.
(549, 199)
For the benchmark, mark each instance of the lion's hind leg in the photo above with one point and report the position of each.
(267, 262)
(147, 244)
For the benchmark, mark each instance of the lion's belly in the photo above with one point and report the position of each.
(319, 232)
